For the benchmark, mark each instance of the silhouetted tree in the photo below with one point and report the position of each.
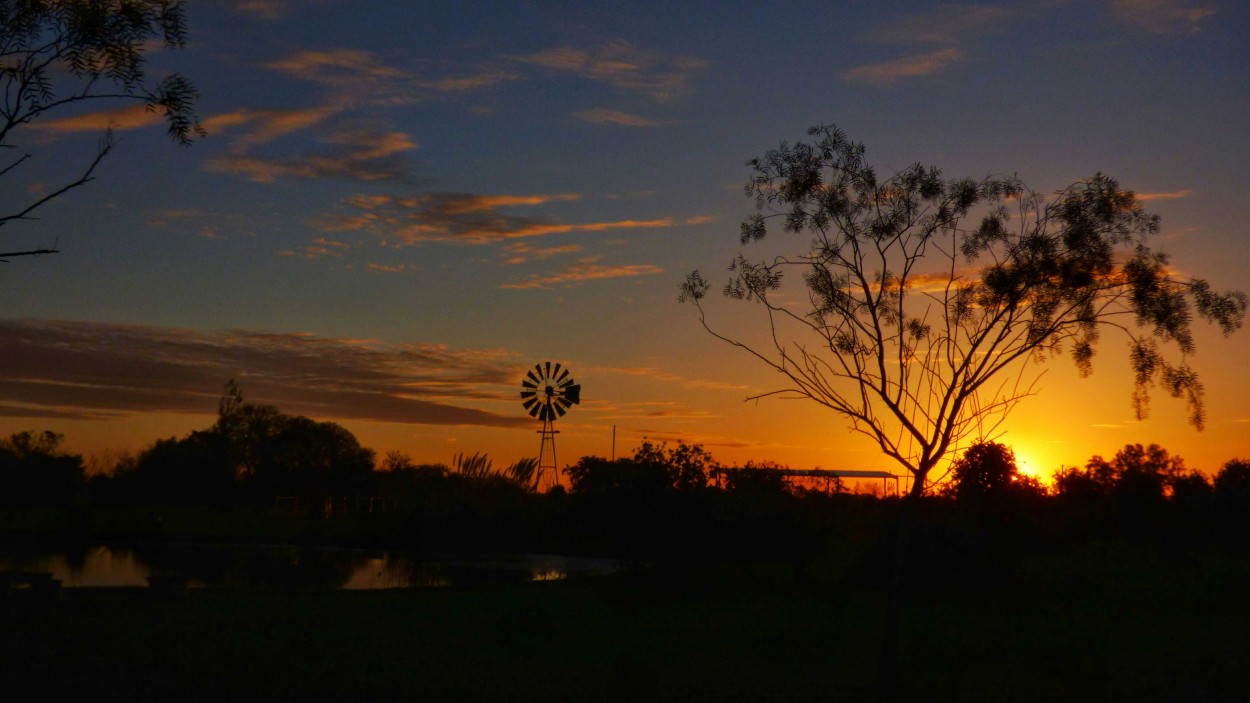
(1191, 486)
(917, 326)
(654, 468)
(194, 470)
(596, 475)
(986, 470)
(756, 478)
(685, 466)
(35, 471)
(1232, 482)
(1143, 471)
(1071, 481)
(1231, 500)
(246, 428)
(56, 54)
(312, 459)
(1234, 479)
(1135, 471)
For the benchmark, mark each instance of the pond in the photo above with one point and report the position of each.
(284, 567)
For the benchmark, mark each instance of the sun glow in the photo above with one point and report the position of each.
(1032, 463)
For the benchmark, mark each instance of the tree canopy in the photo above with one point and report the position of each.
(923, 298)
(987, 471)
(55, 54)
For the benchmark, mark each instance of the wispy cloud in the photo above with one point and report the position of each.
(127, 118)
(588, 269)
(361, 154)
(353, 81)
(261, 9)
(935, 40)
(355, 77)
(904, 67)
(461, 218)
(945, 26)
(335, 67)
(91, 370)
(1171, 235)
(270, 10)
(620, 64)
(383, 268)
(320, 248)
(666, 377)
(698, 438)
(1174, 195)
(626, 411)
(32, 412)
(1163, 16)
(603, 115)
(204, 223)
(264, 126)
(522, 252)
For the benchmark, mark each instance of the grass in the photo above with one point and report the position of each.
(758, 633)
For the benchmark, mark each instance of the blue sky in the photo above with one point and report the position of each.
(400, 206)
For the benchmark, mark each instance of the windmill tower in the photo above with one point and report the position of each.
(547, 392)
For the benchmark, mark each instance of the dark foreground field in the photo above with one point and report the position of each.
(1129, 628)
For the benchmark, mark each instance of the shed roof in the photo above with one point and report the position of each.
(830, 473)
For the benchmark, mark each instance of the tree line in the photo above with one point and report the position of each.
(254, 453)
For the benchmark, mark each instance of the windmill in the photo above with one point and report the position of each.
(547, 392)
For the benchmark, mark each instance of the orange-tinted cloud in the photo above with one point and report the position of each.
(359, 155)
(335, 67)
(666, 377)
(263, 9)
(905, 67)
(945, 26)
(130, 117)
(667, 410)
(1174, 195)
(264, 126)
(603, 115)
(522, 252)
(461, 218)
(1163, 16)
(270, 10)
(355, 77)
(88, 370)
(383, 268)
(353, 80)
(585, 270)
(620, 64)
(321, 247)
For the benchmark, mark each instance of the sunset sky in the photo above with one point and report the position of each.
(400, 206)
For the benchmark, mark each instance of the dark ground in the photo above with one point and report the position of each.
(1103, 624)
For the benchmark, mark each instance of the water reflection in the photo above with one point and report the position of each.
(251, 567)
